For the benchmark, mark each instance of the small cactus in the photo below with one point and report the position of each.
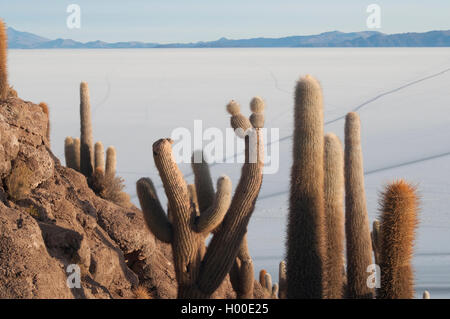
(282, 280)
(99, 155)
(357, 230)
(398, 230)
(306, 234)
(4, 86)
(111, 161)
(72, 153)
(265, 280)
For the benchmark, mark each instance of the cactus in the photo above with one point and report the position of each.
(398, 225)
(242, 272)
(275, 291)
(87, 144)
(4, 86)
(199, 273)
(306, 221)
(46, 111)
(265, 280)
(334, 215)
(72, 153)
(262, 277)
(111, 161)
(203, 182)
(77, 155)
(376, 237)
(99, 155)
(282, 280)
(359, 246)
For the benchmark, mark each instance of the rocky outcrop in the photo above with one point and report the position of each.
(51, 220)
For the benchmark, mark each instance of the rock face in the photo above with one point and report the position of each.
(50, 220)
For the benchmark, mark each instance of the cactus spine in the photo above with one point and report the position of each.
(111, 161)
(334, 215)
(359, 246)
(4, 86)
(305, 243)
(398, 227)
(99, 156)
(87, 144)
(200, 273)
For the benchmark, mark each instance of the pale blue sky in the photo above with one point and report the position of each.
(195, 20)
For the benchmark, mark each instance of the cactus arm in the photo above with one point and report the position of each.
(203, 182)
(69, 152)
(111, 161)
(242, 273)
(186, 242)
(99, 156)
(213, 216)
(225, 244)
(154, 215)
(193, 198)
(77, 155)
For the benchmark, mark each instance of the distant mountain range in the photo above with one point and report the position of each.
(26, 40)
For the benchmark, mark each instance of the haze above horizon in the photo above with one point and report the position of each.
(202, 20)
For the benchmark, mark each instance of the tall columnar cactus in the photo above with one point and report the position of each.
(111, 161)
(200, 273)
(282, 280)
(357, 230)
(305, 236)
(45, 109)
(334, 215)
(242, 273)
(72, 153)
(4, 86)
(86, 138)
(398, 230)
(99, 154)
